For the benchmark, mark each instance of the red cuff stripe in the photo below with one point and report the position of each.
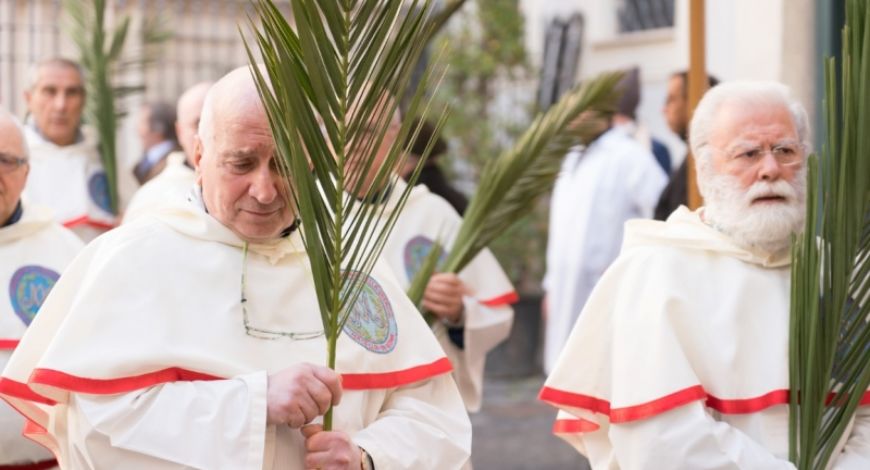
(22, 391)
(504, 299)
(573, 426)
(85, 220)
(45, 464)
(396, 379)
(8, 345)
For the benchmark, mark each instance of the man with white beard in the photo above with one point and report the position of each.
(680, 358)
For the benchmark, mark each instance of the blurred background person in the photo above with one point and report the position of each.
(156, 129)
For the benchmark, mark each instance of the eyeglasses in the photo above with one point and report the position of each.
(9, 163)
(786, 154)
(261, 333)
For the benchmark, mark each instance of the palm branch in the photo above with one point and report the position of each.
(830, 333)
(100, 54)
(511, 184)
(326, 84)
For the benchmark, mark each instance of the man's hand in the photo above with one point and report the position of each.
(330, 450)
(298, 394)
(443, 296)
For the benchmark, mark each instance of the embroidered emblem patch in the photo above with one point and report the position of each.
(416, 251)
(29, 287)
(98, 188)
(372, 323)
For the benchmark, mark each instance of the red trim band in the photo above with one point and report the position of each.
(43, 465)
(110, 386)
(504, 299)
(397, 378)
(85, 220)
(669, 402)
(73, 383)
(8, 345)
(573, 426)
(22, 391)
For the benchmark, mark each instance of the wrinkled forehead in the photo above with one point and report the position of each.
(58, 75)
(752, 122)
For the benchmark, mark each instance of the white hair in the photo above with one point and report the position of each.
(745, 93)
(35, 72)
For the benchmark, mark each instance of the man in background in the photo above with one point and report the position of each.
(66, 173)
(157, 131)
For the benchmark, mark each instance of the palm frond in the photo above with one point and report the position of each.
(829, 357)
(511, 184)
(100, 54)
(327, 85)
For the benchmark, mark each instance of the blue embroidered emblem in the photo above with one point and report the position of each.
(372, 323)
(29, 287)
(416, 251)
(98, 188)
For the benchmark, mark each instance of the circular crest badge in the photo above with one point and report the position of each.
(29, 287)
(98, 188)
(416, 251)
(372, 323)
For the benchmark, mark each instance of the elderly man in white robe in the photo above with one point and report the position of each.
(177, 179)
(34, 250)
(66, 174)
(473, 308)
(680, 358)
(204, 346)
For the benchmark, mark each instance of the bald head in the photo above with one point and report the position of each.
(235, 161)
(187, 113)
(13, 165)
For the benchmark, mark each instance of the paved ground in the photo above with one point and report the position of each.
(512, 431)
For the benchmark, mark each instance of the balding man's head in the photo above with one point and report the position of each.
(13, 165)
(235, 161)
(187, 113)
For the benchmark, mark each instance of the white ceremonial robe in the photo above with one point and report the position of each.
(488, 316)
(71, 182)
(33, 253)
(174, 375)
(597, 190)
(680, 358)
(170, 186)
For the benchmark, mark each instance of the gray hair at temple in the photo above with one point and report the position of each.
(36, 69)
(749, 94)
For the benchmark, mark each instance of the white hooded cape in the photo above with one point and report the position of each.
(151, 312)
(34, 252)
(684, 321)
(425, 218)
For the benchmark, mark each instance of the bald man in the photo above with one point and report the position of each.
(177, 178)
(218, 362)
(34, 250)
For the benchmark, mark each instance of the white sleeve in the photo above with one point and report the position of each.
(687, 437)
(205, 424)
(484, 328)
(856, 454)
(420, 426)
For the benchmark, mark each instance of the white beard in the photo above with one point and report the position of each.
(767, 226)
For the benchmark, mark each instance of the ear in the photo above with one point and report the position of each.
(197, 158)
(27, 96)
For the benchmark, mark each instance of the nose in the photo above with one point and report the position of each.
(769, 169)
(264, 187)
(59, 101)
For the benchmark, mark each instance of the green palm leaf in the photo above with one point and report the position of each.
(511, 184)
(830, 333)
(326, 85)
(100, 54)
